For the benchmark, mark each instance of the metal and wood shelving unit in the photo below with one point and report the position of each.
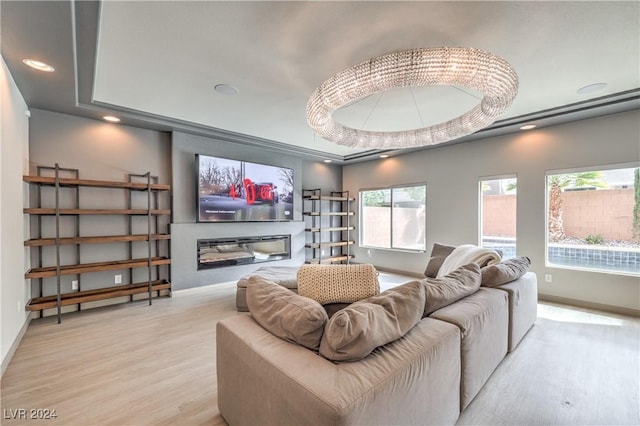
(67, 190)
(330, 228)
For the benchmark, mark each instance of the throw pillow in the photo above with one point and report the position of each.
(468, 253)
(355, 331)
(338, 283)
(504, 272)
(446, 290)
(439, 253)
(285, 314)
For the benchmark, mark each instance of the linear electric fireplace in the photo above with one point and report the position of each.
(221, 252)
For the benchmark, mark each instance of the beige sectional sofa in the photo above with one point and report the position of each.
(427, 376)
(265, 380)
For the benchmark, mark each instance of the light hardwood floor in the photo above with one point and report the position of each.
(136, 364)
(129, 364)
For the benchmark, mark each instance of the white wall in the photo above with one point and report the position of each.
(452, 173)
(14, 161)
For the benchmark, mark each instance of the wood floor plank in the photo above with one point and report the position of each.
(124, 364)
(134, 364)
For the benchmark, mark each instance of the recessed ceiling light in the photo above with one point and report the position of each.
(327, 161)
(40, 66)
(591, 88)
(111, 119)
(384, 155)
(528, 127)
(226, 89)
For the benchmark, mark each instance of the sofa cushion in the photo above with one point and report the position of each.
(439, 253)
(355, 331)
(504, 272)
(285, 314)
(282, 275)
(483, 319)
(338, 283)
(446, 290)
(523, 306)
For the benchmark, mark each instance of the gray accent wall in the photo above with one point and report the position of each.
(452, 174)
(106, 151)
(185, 231)
(101, 151)
(320, 175)
(109, 152)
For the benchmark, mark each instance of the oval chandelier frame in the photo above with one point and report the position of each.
(453, 66)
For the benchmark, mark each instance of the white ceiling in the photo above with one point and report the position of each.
(164, 58)
(155, 63)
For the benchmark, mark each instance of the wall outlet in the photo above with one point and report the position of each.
(548, 278)
(74, 285)
(118, 279)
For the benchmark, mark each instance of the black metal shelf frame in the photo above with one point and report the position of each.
(328, 214)
(153, 226)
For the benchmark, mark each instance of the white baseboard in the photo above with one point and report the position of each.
(590, 305)
(14, 346)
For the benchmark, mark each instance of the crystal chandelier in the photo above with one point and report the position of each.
(473, 68)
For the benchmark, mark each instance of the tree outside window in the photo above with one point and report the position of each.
(592, 220)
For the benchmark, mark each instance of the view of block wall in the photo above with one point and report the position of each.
(609, 213)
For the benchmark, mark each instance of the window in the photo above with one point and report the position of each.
(498, 202)
(593, 219)
(394, 218)
(375, 218)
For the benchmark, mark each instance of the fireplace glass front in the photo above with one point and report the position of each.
(221, 252)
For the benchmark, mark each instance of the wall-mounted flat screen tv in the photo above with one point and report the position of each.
(240, 191)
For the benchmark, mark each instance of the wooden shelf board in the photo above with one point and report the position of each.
(327, 198)
(52, 211)
(328, 213)
(38, 242)
(69, 182)
(48, 302)
(330, 244)
(331, 229)
(50, 271)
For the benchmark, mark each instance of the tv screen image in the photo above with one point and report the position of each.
(240, 191)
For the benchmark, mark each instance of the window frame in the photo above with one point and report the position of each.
(593, 168)
(390, 188)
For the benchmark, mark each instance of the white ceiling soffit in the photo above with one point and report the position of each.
(156, 63)
(165, 58)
